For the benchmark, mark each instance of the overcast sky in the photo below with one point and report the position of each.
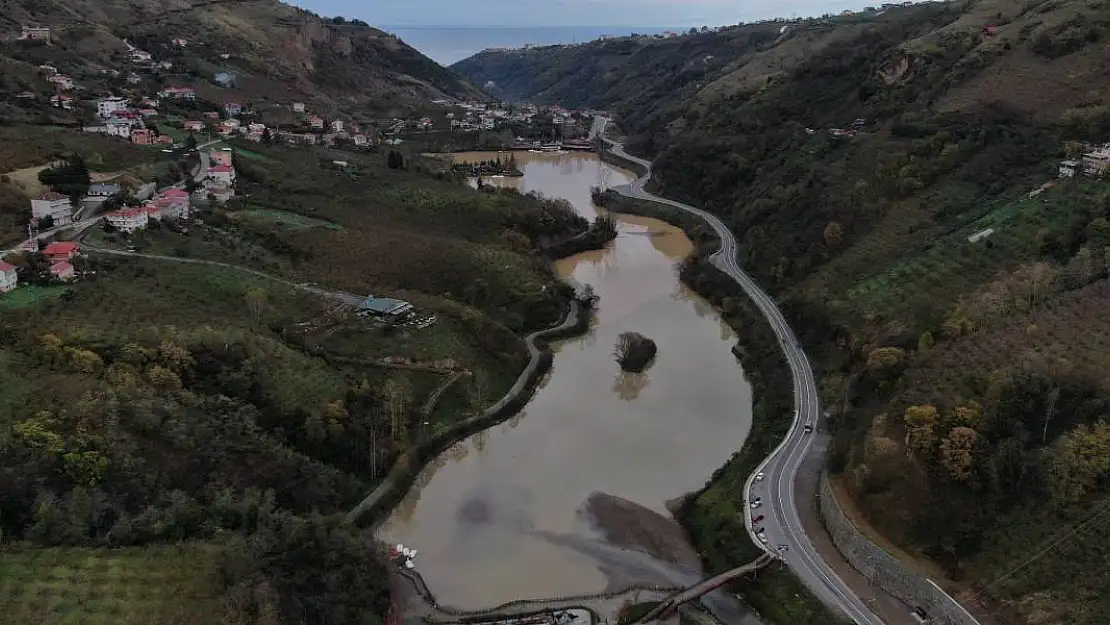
(572, 12)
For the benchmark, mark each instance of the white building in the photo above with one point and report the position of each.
(8, 277)
(129, 219)
(54, 205)
(1068, 169)
(106, 106)
(298, 107)
(337, 125)
(221, 173)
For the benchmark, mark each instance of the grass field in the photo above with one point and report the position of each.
(285, 220)
(27, 179)
(70, 586)
(28, 296)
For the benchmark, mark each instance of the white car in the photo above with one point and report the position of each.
(762, 538)
(756, 503)
(759, 476)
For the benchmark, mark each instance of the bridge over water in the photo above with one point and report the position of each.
(668, 606)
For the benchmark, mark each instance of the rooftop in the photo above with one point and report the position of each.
(385, 305)
(60, 247)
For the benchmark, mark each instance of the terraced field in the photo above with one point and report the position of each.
(62, 586)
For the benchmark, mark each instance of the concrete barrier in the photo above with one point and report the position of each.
(884, 570)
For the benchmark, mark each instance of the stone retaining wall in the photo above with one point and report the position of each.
(883, 569)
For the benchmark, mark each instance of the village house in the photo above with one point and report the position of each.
(220, 157)
(54, 205)
(337, 125)
(178, 93)
(221, 173)
(228, 127)
(133, 78)
(1068, 169)
(62, 271)
(106, 106)
(148, 112)
(225, 79)
(221, 191)
(60, 251)
(231, 109)
(179, 42)
(8, 277)
(316, 122)
(1097, 162)
(35, 33)
(129, 220)
(256, 127)
(360, 140)
(298, 107)
(62, 101)
(172, 204)
(104, 189)
(141, 56)
(61, 81)
(213, 115)
(142, 136)
(194, 126)
(49, 70)
(256, 136)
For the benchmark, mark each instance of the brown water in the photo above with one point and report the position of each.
(498, 517)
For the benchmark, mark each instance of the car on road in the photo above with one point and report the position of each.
(762, 538)
(756, 503)
(757, 519)
(759, 476)
(784, 547)
(808, 428)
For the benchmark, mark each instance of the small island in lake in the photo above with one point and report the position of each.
(634, 351)
(496, 167)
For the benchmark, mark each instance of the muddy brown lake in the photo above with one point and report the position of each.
(506, 513)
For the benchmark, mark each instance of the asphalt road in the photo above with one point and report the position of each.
(781, 522)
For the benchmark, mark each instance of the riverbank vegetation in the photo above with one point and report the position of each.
(892, 178)
(155, 402)
(634, 351)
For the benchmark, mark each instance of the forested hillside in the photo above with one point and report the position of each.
(965, 375)
(179, 442)
(276, 52)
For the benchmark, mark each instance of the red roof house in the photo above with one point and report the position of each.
(61, 250)
(62, 270)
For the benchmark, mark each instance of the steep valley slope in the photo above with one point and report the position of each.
(893, 178)
(275, 51)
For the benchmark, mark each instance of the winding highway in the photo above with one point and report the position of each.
(775, 489)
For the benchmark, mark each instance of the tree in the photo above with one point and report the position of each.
(1079, 459)
(957, 453)
(395, 160)
(885, 358)
(191, 142)
(926, 341)
(634, 351)
(256, 300)
(921, 422)
(834, 233)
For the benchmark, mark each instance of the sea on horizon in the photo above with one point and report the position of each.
(450, 44)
